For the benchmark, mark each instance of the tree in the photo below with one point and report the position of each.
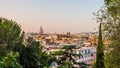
(109, 16)
(29, 54)
(10, 61)
(10, 32)
(100, 53)
(113, 9)
(33, 56)
(45, 60)
(67, 56)
(12, 39)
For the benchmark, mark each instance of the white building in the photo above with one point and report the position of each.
(88, 54)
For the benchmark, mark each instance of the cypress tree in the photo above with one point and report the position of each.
(100, 53)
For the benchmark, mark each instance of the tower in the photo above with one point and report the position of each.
(41, 31)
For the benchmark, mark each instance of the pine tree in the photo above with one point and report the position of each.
(68, 56)
(100, 53)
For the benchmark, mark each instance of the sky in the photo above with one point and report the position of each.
(55, 16)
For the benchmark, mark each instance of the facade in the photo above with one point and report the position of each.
(88, 54)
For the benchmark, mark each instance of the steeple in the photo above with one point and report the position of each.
(41, 32)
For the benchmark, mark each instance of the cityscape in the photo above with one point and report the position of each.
(86, 43)
(59, 34)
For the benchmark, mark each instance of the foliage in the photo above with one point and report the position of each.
(109, 16)
(99, 52)
(68, 64)
(10, 61)
(113, 7)
(94, 64)
(10, 32)
(32, 55)
(113, 49)
(29, 54)
(46, 59)
(67, 56)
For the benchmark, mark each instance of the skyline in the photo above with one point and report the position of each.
(55, 16)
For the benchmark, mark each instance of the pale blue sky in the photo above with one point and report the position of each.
(53, 15)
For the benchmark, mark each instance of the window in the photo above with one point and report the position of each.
(79, 52)
(85, 51)
(91, 55)
(82, 51)
(91, 50)
(82, 56)
(79, 57)
(88, 51)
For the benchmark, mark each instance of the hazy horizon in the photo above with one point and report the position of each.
(55, 16)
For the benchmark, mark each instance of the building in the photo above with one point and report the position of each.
(41, 32)
(88, 54)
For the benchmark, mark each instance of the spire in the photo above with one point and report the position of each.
(41, 31)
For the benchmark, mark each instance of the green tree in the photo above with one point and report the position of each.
(67, 56)
(10, 61)
(12, 39)
(10, 32)
(68, 64)
(46, 60)
(113, 49)
(100, 53)
(113, 7)
(29, 54)
(33, 56)
(109, 16)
